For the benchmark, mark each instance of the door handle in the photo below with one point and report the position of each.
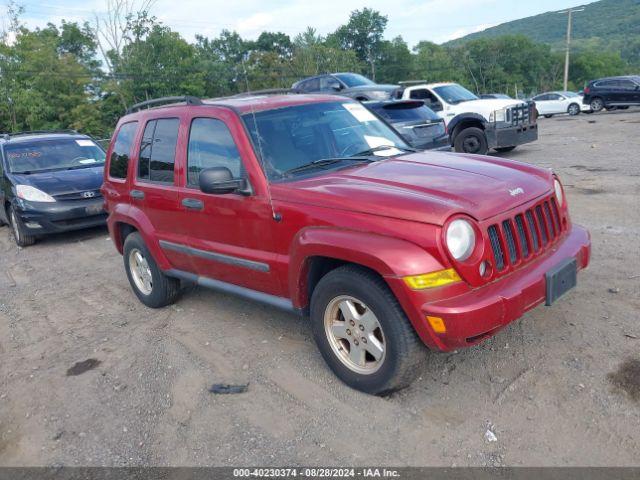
(139, 194)
(192, 204)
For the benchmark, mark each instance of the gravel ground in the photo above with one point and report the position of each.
(559, 387)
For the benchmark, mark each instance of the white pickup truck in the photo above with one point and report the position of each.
(475, 125)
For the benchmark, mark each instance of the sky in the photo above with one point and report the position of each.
(415, 20)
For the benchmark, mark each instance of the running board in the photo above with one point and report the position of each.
(273, 300)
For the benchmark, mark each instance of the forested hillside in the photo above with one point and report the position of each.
(612, 25)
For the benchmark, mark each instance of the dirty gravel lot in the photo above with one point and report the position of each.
(543, 386)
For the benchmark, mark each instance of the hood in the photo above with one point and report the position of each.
(492, 103)
(425, 187)
(63, 181)
(373, 88)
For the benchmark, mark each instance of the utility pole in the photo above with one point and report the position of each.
(569, 13)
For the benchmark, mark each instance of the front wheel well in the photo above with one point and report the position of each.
(471, 122)
(319, 266)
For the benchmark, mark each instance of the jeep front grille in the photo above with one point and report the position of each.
(518, 238)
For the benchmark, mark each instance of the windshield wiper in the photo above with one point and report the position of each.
(382, 148)
(326, 161)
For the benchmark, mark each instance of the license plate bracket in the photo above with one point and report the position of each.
(94, 209)
(560, 279)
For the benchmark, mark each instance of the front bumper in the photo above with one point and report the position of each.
(43, 218)
(477, 314)
(511, 136)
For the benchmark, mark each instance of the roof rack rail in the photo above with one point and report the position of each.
(268, 91)
(190, 100)
(8, 135)
(412, 82)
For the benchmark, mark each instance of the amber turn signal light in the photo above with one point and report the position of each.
(437, 324)
(433, 279)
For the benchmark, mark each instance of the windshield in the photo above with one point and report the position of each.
(570, 94)
(48, 155)
(403, 112)
(455, 94)
(291, 137)
(353, 79)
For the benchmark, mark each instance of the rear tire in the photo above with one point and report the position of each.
(574, 109)
(548, 116)
(149, 283)
(471, 140)
(596, 104)
(22, 238)
(391, 358)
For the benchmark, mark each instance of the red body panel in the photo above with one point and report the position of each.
(387, 216)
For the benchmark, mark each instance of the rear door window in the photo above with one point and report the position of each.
(312, 85)
(329, 84)
(158, 150)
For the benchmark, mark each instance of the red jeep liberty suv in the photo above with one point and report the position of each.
(312, 204)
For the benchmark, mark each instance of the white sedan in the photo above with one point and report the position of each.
(554, 103)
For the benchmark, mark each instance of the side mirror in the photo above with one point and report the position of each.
(219, 180)
(336, 86)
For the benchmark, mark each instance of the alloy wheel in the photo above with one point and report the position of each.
(355, 334)
(140, 271)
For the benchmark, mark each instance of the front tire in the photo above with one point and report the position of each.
(548, 115)
(596, 104)
(151, 286)
(574, 109)
(362, 332)
(22, 238)
(471, 140)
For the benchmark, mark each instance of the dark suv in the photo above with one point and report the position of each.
(420, 126)
(352, 85)
(612, 92)
(312, 204)
(50, 182)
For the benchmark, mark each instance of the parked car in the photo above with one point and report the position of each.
(496, 95)
(612, 92)
(352, 85)
(50, 182)
(475, 125)
(554, 103)
(312, 204)
(416, 123)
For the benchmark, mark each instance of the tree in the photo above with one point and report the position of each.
(362, 34)
(396, 62)
(160, 64)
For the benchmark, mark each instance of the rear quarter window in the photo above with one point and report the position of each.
(119, 160)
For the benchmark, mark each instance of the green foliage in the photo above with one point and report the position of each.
(51, 77)
(362, 34)
(606, 25)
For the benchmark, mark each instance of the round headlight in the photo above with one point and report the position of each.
(461, 239)
(558, 189)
